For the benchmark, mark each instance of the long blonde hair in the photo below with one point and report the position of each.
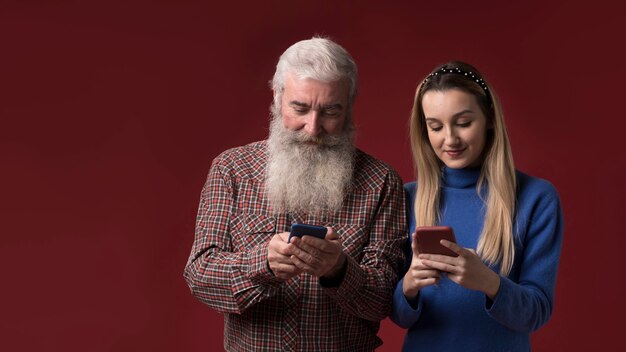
(496, 244)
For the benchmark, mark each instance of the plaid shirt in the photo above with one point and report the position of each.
(228, 271)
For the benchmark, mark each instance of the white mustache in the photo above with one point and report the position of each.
(324, 139)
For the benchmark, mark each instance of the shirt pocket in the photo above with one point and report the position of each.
(248, 230)
(354, 239)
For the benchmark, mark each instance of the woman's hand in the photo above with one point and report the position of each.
(467, 270)
(419, 275)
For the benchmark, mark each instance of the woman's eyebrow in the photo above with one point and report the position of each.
(454, 116)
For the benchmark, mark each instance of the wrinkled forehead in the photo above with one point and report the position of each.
(335, 91)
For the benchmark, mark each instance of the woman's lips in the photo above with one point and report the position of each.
(454, 153)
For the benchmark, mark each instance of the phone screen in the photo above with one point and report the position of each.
(299, 230)
(428, 238)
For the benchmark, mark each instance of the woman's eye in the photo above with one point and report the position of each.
(465, 124)
(435, 128)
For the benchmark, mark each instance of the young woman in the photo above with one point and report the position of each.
(508, 225)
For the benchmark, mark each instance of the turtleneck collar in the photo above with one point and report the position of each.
(460, 178)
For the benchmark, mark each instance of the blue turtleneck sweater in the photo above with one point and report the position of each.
(452, 318)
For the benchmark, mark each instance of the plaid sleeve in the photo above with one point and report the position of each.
(223, 279)
(367, 287)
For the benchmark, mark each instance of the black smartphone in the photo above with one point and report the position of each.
(299, 230)
(428, 238)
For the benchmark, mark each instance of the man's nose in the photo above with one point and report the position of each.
(312, 123)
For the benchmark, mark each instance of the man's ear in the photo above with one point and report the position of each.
(274, 95)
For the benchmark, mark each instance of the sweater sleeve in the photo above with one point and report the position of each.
(526, 304)
(403, 313)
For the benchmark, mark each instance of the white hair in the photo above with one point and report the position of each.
(320, 59)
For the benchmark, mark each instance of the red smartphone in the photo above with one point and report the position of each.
(428, 238)
(299, 230)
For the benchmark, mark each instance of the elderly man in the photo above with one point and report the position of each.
(308, 293)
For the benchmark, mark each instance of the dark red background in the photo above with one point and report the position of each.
(111, 113)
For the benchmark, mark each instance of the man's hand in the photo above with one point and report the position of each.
(319, 257)
(278, 257)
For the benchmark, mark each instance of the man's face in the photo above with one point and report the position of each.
(315, 107)
(311, 154)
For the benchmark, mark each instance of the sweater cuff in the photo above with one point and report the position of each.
(497, 308)
(403, 312)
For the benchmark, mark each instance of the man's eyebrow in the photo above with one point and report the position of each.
(299, 103)
(323, 107)
(332, 106)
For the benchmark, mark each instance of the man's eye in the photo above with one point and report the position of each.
(331, 113)
(301, 111)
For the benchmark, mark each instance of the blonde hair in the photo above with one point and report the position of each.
(496, 244)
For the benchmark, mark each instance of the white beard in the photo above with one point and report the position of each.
(306, 177)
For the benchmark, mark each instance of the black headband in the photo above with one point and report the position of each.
(458, 71)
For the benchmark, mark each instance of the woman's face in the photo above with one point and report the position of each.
(457, 127)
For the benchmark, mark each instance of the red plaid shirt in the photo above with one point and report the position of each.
(228, 270)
